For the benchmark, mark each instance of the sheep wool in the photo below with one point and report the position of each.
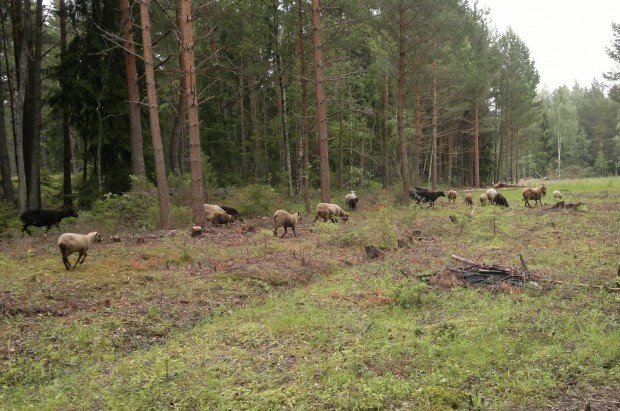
(557, 194)
(469, 200)
(491, 193)
(70, 243)
(351, 200)
(452, 196)
(532, 193)
(483, 199)
(328, 211)
(282, 218)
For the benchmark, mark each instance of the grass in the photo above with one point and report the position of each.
(243, 320)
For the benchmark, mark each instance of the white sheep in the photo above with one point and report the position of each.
(328, 211)
(70, 243)
(282, 218)
(351, 200)
(557, 194)
(491, 193)
(483, 199)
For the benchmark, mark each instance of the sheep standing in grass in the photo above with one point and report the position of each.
(469, 200)
(42, 218)
(351, 200)
(328, 211)
(491, 193)
(282, 218)
(452, 196)
(70, 243)
(532, 193)
(483, 199)
(557, 194)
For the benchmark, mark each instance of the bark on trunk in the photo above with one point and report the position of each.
(67, 163)
(5, 165)
(404, 165)
(321, 110)
(133, 91)
(301, 55)
(435, 121)
(189, 70)
(476, 147)
(160, 171)
(384, 130)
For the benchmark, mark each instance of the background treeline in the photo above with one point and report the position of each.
(418, 92)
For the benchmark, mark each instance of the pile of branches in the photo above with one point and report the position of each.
(479, 274)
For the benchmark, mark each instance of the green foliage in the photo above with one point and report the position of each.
(255, 200)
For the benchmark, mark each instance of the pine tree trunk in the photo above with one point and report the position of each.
(5, 165)
(341, 139)
(400, 119)
(160, 171)
(67, 190)
(321, 110)
(384, 130)
(133, 91)
(303, 70)
(476, 147)
(242, 126)
(256, 133)
(418, 137)
(189, 73)
(22, 20)
(435, 124)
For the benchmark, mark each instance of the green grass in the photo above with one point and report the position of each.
(249, 321)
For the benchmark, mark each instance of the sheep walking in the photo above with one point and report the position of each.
(42, 218)
(483, 199)
(282, 218)
(534, 193)
(469, 200)
(452, 196)
(557, 194)
(351, 200)
(421, 195)
(70, 243)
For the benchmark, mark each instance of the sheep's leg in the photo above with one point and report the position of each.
(275, 232)
(80, 259)
(65, 261)
(294, 233)
(284, 233)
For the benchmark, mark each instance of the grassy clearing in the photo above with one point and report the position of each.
(239, 319)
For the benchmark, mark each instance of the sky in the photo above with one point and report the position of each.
(567, 39)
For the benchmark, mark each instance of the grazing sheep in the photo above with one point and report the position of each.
(469, 200)
(284, 219)
(218, 218)
(42, 218)
(500, 200)
(532, 193)
(491, 193)
(232, 212)
(483, 199)
(557, 194)
(421, 195)
(351, 200)
(543, 189)
(70, 243)
(330, 211)
(452, 196)
(210, 209)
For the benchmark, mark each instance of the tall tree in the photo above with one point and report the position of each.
(321, 110)
(160, 171)
(400, 113)
(5, 164)
(67, 190)
(133, 90)
(303, 79)
(189, 73)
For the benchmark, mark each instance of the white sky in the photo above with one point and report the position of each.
(567, 39)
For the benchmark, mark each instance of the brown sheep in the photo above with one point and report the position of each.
(469, 200)
(452, 196)
(219, 218)
(483, 199)
(532, 193)
(282, 218)
(330, 211)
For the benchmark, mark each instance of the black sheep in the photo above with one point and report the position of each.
(421, 195)
(42, 218)
(501, 200)
(232, 212)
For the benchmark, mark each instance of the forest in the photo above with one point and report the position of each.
(291, 94)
